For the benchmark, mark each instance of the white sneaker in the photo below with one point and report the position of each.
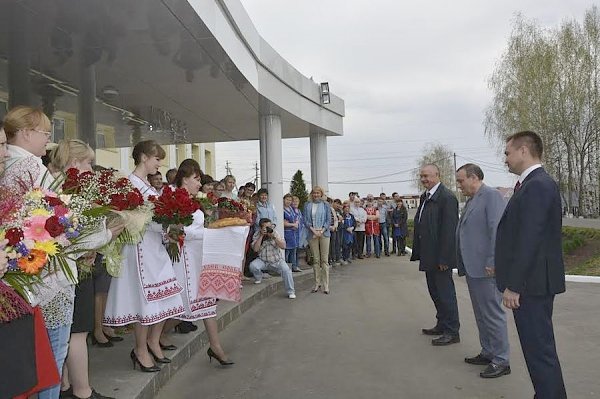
(344, 263)
(292, 296)
(257, 281)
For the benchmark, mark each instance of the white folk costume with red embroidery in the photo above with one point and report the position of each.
(147, 290)
(188, 271)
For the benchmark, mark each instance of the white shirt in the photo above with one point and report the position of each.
(430, 192)
(527, 171)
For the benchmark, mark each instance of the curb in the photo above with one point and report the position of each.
(133, 384)
(200, 340)
(571, 278)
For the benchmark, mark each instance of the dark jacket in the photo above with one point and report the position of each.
(529, 256)
(400, 217)
(434, 238)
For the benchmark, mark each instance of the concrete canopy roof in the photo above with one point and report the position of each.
(195, 71)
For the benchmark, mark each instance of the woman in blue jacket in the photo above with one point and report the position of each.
(317, 219)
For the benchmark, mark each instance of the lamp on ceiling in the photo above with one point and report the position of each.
(325, 98)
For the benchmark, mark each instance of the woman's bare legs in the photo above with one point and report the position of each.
(77, 366)
(153, 338)
(212, 330)
(140, 333)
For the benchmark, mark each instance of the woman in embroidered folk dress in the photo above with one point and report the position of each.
(146, 292)
(189, 267)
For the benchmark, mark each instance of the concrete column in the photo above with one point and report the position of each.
(271, 163)
(86, 116)
(202, 157)
(124, 154)
(19, 82)
(172, 156)
(318, 161)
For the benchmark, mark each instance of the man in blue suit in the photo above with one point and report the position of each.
(529, 262)
(475, 243)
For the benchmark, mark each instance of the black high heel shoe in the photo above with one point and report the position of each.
(107, 344)
(135, 360)
(167, 347)
(212, 354)
(317, 288)
(157, 359)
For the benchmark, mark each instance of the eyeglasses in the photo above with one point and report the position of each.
(48, 134)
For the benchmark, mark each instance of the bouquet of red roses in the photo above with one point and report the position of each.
(173, 209)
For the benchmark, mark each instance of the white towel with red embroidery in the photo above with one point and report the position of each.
(222, 263)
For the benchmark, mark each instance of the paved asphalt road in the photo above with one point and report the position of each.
(364, 341)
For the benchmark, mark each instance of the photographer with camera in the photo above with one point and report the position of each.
(268, 245)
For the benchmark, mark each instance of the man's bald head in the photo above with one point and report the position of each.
(429, 176)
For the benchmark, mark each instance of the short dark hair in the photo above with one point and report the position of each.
(263, 221)
(394, 193)
(206, 179)
(352, 192)
(250, 184)
(472, 170)
(262, 191)
(380, 194)
(337, 201)
(529, 139)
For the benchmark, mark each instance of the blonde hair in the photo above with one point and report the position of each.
(24, 117)
(319, 189)
(68, 151)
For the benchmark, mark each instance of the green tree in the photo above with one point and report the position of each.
(298, 188)
(442, 157)
(548, 80)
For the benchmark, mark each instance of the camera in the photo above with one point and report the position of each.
(269, 230)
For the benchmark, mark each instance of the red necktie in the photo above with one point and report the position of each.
(517, 186)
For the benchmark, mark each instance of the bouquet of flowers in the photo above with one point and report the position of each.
(173, 209)
(115, 196)
(36, 235)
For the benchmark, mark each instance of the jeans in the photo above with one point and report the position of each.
(347, 251)
(291, 256)
(376, 243)
(257, 266)
(59, 341)
(385, 237)
(335, 246)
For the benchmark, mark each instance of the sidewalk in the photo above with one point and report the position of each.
(111, 371)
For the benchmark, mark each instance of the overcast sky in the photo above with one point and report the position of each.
(410, 73)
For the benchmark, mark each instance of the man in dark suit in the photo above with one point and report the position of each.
(475, 243)
(434, 247)
(529, 261)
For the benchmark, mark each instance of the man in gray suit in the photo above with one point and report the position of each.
(475, 245)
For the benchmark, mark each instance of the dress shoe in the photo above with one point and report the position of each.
(66, 394)
(432, 331)
(94, 395)
(494, 371)
(212, 354)
(163, 360)
(107, 344)
(446, 339)
(478, 360)
(169, 347)
(136, 362)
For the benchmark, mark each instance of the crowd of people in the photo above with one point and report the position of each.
(156, 294)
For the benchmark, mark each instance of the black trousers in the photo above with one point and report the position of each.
(443, 294)
(360, 243)
(534, 324)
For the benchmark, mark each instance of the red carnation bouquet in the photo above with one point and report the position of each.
(113, 195)
(104, 188)
(173, 209)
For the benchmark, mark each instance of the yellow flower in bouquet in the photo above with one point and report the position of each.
(50, 247)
